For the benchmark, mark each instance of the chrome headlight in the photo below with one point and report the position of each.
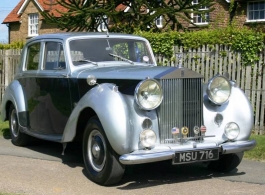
(219, 90)
(232, 130)
(148, 94)
(148, 138)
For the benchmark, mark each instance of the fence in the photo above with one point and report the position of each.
(208, 61)
(8, 61)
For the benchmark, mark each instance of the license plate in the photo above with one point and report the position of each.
(195, 156)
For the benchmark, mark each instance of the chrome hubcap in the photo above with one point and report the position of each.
(96, 150)
(14, 123)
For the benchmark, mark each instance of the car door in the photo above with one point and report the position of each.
(54, 94)
(47, 89)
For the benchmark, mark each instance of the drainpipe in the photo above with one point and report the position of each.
(8, 32)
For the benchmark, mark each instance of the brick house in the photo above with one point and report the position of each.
(25, 20)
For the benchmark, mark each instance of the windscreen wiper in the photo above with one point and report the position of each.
(122, 58)
(85, 60)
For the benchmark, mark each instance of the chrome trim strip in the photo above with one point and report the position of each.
(131, 159)
(148, 156)
(238, 146)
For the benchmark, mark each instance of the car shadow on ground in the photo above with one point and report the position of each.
(135, 176)
(161, 173)
(6, 133)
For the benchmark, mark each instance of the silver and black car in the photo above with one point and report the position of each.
(106, 91)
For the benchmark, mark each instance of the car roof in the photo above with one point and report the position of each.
(67, 35)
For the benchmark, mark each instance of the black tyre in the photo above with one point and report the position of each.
(101, 161)
(227, 162)
(18, 138)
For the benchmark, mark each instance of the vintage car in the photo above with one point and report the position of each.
(106, 91)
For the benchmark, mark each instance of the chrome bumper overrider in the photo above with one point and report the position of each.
(148, 156)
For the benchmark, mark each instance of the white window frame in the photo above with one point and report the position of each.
(259, 10)
(159, 21)
(193, 16)
(102, 26)
(33, 25)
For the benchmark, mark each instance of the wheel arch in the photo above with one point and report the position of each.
(85, 115)
(7, 109)
(14, 94)
(114, 118)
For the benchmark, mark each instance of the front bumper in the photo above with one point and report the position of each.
(148, 156)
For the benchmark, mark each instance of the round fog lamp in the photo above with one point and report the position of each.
(147, 123)
(148, 138)
(232, 130)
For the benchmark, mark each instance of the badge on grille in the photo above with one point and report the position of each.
(196, 130)
(175, 131)
(203, 130)
(184, 131)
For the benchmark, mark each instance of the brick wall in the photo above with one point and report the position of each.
(19, 31)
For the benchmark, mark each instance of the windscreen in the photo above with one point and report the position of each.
(99, 50)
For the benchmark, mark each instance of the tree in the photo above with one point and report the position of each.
(89, 15)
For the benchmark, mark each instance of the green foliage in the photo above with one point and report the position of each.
(13, 45)
(246, 41)
(85, 15)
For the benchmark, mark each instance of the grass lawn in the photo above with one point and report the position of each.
(4, 129)
(258, 153)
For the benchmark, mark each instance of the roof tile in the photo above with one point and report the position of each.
(45, 4)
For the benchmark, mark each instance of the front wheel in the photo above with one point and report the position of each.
(18, 138)
(227, 162)
(101, 161)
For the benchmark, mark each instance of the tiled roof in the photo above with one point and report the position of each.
(121, 7)
(13, 16)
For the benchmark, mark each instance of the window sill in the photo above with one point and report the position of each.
(199, 25)
(31, 36)
(255, 22)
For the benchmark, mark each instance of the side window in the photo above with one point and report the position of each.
(54, 56)
(33, 56)
(140, 51)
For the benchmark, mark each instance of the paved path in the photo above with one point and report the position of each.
(41, 169)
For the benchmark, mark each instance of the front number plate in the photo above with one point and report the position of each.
(195, 155)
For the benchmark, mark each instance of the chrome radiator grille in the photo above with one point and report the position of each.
(182, 106)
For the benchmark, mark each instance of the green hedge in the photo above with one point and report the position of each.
(246, 41)
(13, 45)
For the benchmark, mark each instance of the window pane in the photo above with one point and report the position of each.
(262, 15)
(33, 54)
(251, 6)
(262, 5)
(54, 57)
(250, 15)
